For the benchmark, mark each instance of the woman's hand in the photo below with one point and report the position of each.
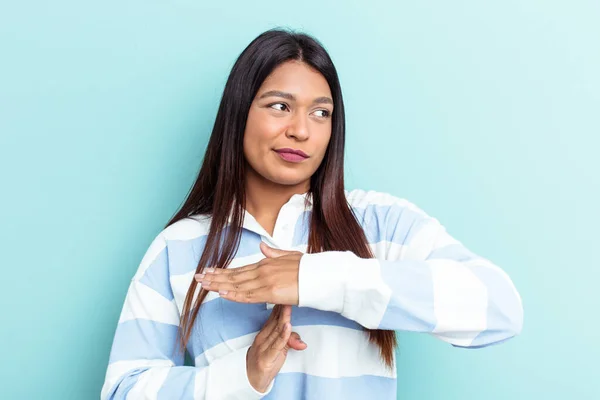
(273, 279)
(269, 349)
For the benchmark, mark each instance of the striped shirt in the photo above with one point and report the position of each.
(421, 280)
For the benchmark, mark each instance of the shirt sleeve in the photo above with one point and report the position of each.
(423, 280)
(143, 360)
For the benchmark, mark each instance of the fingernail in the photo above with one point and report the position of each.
(222, 291)
(209, 270)
(199, 276)
(205, 283)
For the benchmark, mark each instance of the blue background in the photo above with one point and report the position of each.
(485, 114)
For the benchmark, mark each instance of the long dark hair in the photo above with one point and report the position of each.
(219, 186)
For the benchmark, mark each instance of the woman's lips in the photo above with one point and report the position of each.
(290, 150)
(291, 157)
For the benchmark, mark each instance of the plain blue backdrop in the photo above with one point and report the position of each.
(485, 114)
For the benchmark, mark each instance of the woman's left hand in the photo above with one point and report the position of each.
(273, 279)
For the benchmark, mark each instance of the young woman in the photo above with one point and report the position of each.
(269, 222)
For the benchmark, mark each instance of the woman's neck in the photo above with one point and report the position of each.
(264, 198)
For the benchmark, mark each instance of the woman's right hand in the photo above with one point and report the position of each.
(269, 349)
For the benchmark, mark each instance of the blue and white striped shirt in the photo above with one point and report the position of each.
(422, 280)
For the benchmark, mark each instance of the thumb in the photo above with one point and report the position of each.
(270, 252)
(294, 342)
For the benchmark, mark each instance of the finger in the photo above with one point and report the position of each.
(286, 313)
(231, 286)
(208, 280)
(218, 271)
(271, 252)
(236, 275)
(258, 295)
(295, 342)
(269, 325)
(272, 336)
(279, 326)
(280, 341)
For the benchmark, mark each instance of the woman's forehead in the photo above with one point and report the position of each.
(297, 79)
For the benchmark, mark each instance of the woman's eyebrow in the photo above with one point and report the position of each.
(291, 97)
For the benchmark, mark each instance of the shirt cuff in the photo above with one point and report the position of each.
(233, 365)
(323, 278)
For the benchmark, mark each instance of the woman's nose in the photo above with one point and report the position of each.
(298, 127)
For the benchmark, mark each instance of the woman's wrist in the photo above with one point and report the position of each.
(253, 379)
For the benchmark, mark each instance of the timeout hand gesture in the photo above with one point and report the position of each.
(269, 350)
(273, 279)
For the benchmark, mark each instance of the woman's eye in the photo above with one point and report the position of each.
(275, 106)
(325, 113)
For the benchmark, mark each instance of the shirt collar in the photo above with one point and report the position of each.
(297, 200)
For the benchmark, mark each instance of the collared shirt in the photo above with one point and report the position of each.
(421, 280)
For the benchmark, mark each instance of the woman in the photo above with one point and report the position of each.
(268, 221)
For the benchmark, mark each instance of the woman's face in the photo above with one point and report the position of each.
(292, 109)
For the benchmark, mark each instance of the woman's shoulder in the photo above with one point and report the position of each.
(361, 198)
(187, 228)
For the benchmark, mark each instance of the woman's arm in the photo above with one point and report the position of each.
(425, 281)
(143, 363)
